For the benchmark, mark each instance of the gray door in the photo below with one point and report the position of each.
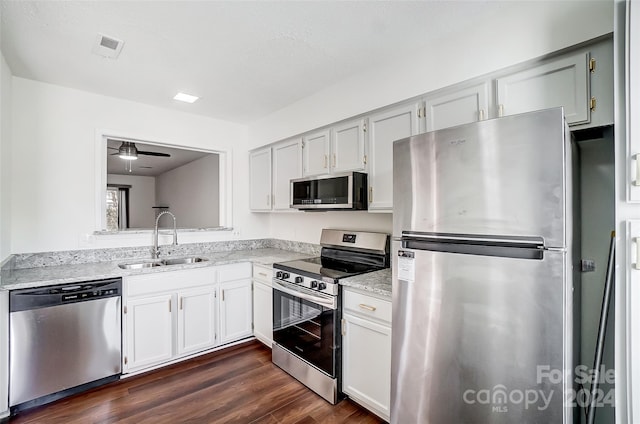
(478, 339)
(504, 176)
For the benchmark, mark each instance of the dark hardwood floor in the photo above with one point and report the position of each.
(234, 385)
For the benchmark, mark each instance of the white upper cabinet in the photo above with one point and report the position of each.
(561, 82)
(457, 107)
(385, 127)
(315, 153)
(287, 165)
(347, 146)
(260, 180)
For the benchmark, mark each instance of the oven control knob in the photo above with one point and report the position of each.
(322, 286)
(285, 275)
(279, 275)
(299, 280)
(314, 284)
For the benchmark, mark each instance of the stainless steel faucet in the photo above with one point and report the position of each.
(155, 253)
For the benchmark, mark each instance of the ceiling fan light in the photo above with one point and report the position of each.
(128, 151)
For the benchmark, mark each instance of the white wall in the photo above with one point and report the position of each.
(192, 193)
(53, 199)
(5, 158)
(521, 32)
(142, 198)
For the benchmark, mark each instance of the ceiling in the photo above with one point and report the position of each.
(245, 59)
(146, 165)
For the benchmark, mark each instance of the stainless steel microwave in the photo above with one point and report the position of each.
(347, 191)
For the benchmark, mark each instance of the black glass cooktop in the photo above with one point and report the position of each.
(325, 267)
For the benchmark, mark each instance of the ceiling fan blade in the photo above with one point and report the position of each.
(165, 155)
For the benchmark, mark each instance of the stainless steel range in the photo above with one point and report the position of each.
(307, 306)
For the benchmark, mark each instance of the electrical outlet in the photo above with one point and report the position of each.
(587, 265)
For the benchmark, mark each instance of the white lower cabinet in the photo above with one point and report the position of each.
(263, 304)
(172, 314)
(149, 327)
(236, 314)
(366, 356)
(196, 319)
(4, 353)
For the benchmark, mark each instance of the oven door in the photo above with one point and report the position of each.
(304, 323)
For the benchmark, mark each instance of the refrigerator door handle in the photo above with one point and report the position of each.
(505, 250)
(531, 242)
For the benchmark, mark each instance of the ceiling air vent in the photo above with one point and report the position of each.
(106, 46)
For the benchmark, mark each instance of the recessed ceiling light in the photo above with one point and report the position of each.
(185, 97)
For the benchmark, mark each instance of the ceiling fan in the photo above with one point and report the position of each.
(129, 151)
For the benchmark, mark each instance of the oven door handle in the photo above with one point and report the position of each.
(328, 303)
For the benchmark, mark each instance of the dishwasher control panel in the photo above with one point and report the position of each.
(41, 297)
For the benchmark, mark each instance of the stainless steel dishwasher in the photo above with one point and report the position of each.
(63, 339)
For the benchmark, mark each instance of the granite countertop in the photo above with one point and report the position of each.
(378, 282)
(61, 274)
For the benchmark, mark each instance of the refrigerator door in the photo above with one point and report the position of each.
(498, 177)
(479, 339)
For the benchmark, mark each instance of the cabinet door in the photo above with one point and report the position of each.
(562, 82)
(458, 107)
(315, 153)
(4, 353)
(149, 331)
(367, 377)
(347, 147)
(384, 128)
(263, 313)
(235, 311)
(196, 320)
(260, 180)
(287, 165)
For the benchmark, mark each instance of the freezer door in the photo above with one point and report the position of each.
(504, 176)
(479, 339)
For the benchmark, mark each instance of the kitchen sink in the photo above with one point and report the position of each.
(140, 265)
(180, 261)
(163, 262)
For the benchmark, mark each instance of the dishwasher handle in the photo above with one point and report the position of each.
(60, 294)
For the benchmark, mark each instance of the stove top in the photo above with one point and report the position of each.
(325, 267)
(344, 254)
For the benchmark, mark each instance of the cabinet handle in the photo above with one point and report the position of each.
(223, 295)
(334, 160)
(325, 161)
(125, 309)
(367, 307)
(169, 305)
(481, 115)
(636, 265)
(126, 360)
(263, 274)
(636, 157)
(181, 303)
(370, 194)
(500, 111)
(343, 328)
(364, 159)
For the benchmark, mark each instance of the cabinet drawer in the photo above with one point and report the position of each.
(234, 272)
(159, 282)
(263, 274)
(368, 306)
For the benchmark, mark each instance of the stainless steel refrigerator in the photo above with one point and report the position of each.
(484, 287)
